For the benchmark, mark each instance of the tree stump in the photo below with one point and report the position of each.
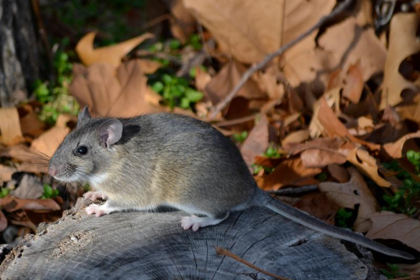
(145, 245)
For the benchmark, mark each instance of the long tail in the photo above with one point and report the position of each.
(300, 217)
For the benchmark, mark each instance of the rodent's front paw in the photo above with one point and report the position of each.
(95, 195)
(98, 210)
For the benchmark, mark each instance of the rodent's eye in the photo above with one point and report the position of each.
(81, 150)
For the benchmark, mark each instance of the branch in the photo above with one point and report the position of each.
(222, 104)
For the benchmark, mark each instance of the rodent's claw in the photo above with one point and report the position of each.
(95, 195)
(188, 222)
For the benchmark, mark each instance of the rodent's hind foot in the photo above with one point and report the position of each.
(196, 223)
(98, 210)
(95, 195)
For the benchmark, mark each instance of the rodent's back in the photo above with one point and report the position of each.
(188, 160)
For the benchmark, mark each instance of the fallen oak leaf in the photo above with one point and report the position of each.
(110, 54)
(11, 204)
(395, 149)
(350, 194)
(317, 158)
(389, 225)
(48, 142)
(366, 164)
(403, 43)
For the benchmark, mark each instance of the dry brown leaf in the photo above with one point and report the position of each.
(110, 54)
(317, 158)
(120, 94)
(149, 66)
(221, 84)
(296, 137)
(11, 204)
(49, 141)
(403, 43)
(339, 173)
(202, 78)
(257, 141)
(388, 225)
(354, 84)
(395, 149)
(248, 30)
(351, 193)
(330, 99)
(268, 81)
(289, 172)
(183, 23)
(6, 173)
(30, 187)
(318, 205)
(10, 130)
(29, 122)
(327, 144)
(367, 164)
(3, 221)
(344, 44)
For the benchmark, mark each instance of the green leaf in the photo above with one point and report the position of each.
(158, 87)
(174, 44)
(240, 137)
(167, 79)
(185, 103)
(193, 95)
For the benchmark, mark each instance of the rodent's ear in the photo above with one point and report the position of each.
(83, 116)
(110, 132)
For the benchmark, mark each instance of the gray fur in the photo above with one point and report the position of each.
(173, 160)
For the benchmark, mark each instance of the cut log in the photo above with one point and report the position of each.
(144, 245)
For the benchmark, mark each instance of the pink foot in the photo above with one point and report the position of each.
(98, 210)
(95, 195)
(196, 223)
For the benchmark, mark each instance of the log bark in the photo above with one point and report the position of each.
(144, 245)
(19, 65)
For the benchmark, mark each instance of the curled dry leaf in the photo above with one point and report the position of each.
(289, 172)
(395, 149)
(367, 164)
(183, 23)
(202, 78)
(110, 54)
(257, 141)
(330, 99)
(120, 94)
(10, 130)
(351, 193)
(354, 83)
(403, 43)
(388, 225)
(11, 204)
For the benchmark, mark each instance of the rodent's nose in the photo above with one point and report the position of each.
(52, 171)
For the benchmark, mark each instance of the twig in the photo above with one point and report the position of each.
(245, 77)
(294, 191)
(224, 252)
(237, 121)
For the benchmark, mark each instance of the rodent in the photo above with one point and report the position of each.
(171, 160)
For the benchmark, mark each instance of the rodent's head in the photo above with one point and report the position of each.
(87, 151)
